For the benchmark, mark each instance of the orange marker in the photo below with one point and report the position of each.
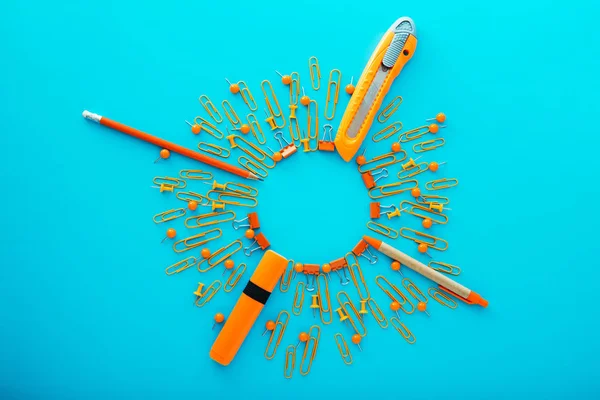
(250, 304)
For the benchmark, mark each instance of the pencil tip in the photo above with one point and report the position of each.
(255, 177)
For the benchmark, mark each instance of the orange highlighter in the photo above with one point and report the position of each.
(392, 53)
(250, 304)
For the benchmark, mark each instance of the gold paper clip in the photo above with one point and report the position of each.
(298, 298)
(327, 144)
(420, 237)
(403, 330)
(337, 265)
(168, 215)
(220, 255)
(227, 198)
(428, 145)
(413, 171)
(442, 298)
(418, 132)
(290, 361)
(256, 129)
(213, 149)
(231, 115)
(423, 212)
(281, 323)
(443, 183)
(210, 108)
(176, 183)
(432, 198)
(313, 341)
(286, 148)
(261, 243)
(357, 317)
(235, 187)
(253, 222)
(208, 219)
(324, 298)
(329, 100)
(310, 136)
(444, 267)
(315, 72)
(343, 348)
(390, 109)
(253, 166)
(356, 274)
(391, 189)
(234, 277)
(382, 161)
(192, 196)
(286, 277)
(361, 248)
(414, 291)
(387, 132)
(209, 127)
(273, 112)
(258, 154)
(294, 93)
(208, 294)
(192, 242)
(247, 96)
(377, 313)
(180, 266)
(195, 174)
(382, 229)
(403, 301)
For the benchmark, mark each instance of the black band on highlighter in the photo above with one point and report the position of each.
(257, 293)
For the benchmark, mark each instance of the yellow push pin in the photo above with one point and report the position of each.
(411, 163)
(198, 291)
(304, 100)
(422, 306)
(395, 213)
(195, 127)
(218, 206)
(315, 303)
(271, 121)
(219, 318)
(285, 79)
(170, 234)
(164, 187)
(305, 142)
(340, 311)
(439, 207)
(363, 307)
(233, 87)
(164, 154)
(396, 267)
(270, 325)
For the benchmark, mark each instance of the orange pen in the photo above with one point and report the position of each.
(392, 53)
(248, 307)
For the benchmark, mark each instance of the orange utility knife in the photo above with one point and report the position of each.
(393, 51)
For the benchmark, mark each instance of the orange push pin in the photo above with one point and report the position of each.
(360, 160)
(195, 128)
(298, 268)
(170, 234)
(164, 154)
(395, 306)
(270, 325)
(205, 253)
(219, 318)
(315, 303)
(198, 291)
(229, 264)
(396, 267)
(435, 128)
(416, 192)
(356, 340)
(304, 100)
(285, 79)
(422, 247)
(350, 87)
(233, 87)
(276, 155)
(249, 234)
(422, 306)
(245, 128)
(434, 166)
(396, 147)
(326, 270)
(440, 117)
(192, 205)
(302, 338)
(427, 222)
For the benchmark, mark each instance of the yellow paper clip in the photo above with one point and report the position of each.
(382, 229)
(389, 110)
(377, 313)
(313, 134)
(192, 196)
(443, 183)
(168, 215)
(387, 132)
(403, 300)
(256, 129)
(176, 183)
(240, 188)
(419, 132)
(231, 115)
(403, 330)
(209, 127)
(391, 189)
(234, 277)
(180, 266)
(315, 72)
(414, 291)
(428, 145)
(227, 198)
(413, 171)
(236, 141)
(295, 132)
(381, 161)
(420, 237)
(220, 255)
(356, 274)
(210, 108)
(253, 166)
(334, 100)
(207, 219)
(325, 299)
(347, 304)
(280, 325)
(272, 112)
(290, 361)
(208, 294)
(442, 298)
(286, 277)
(192, 242)
(343, 348)
(294, 93)
(247, 96)
(298, 298)
(195, 174)
(423, 212)
(213, 149)
(444, 267)
(314, 334)
(432, 198)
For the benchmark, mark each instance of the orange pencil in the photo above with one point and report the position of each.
(170, 146)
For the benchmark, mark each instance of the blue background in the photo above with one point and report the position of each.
(87, 311)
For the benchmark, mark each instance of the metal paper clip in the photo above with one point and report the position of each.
(324, 299)
(209, 127)
(443, 183)
(340, 264)
(382, 161)
(420, 237)
(310, 137)
(444, 267)
(423, 212)
(281, 323)
(210, 108)
(256, 129)
(231, 115)
(428, 145)
(356, 274)
(343, 348)
(315, 72)
(220, 255)
(286, 277)
(327, 144)
(234, 277)
(298, 298)
(389, 110)
(273, 112)
(195, 174)
(405, 301)
(370, 178)
(253, 222)
(418, 132)
(442, 298)
(193, 242)
(247, 96)
(262, 243)
(208, 294)
(361, 248)
(253, 166)
(192, 196)
(180, 266)
(167, 180)
(286, 148)
(392, 188)
(382, 229)
(336, 85)
(235, 187)
(213, 149)
(314, 334)
(387, 132)
(357, 318)
(414, 291)
(413, 171)
(207, 219)
(377, 313)
(168, 215)
(226, 198)
(403, 330)
(290, 361)
(310, 270)
(258, 154)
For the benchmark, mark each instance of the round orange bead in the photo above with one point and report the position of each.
(350, 88)
(303, 336)
(356, 338)
(416, 192)
(196, 129)
(298, 267)
(427, 223)
(326, 268)
(229, 264)
(192, 205)
(422, 306)
(433, 166)
(219, 318)
(234, 88)
(434, 128)
(277, 156)
(422, 248)
(286, 79)
(270, 325)
(396, 147)
(164, 153)
(304, 100)
(249, 234)
(245, 128)
(395, 266)
(171, 233)
(395, 306)
(205, 253)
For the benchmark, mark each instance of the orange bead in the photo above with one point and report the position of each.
(219, 318)
(422, 306)
(350, 88)
(326, 268)
(433, 166)
(171, 233)
(434, 128)
(360, 160)
(395, 266)
(196, 129)
(249, 234)
(234, 88)
(416, 192)
(205, 253)
(286, 79)
(245, 128)
(305, 100)
(395, 306)
(356, 338)
(396, 147)
(164, 153)
(270, 325)
(427, 223)
(277, 156)
(298, 267)
(192, 205)
(422, 248)
(229, 264)
(441, 117)
(303, 337)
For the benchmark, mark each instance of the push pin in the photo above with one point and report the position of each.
(410, 164)
(340, 311)
(360, 160)
(369, 178)
(350, 87)
(434, 166)
(363, 307)
(327, 144)
(205, 253)
(219, 318)
(164, 187)
(396, 147)
(164, 154)
(286, 148)
(249, 234)
(302, 338)
(293, 108)
(396, 267)
(244, 128)
(395, 306)
(304, 100)
(440, 117)
(195, 127)
(305, 142)
(276, 156)
(198, 291)
(285, 79)
(326, 268)
(252, 223)
(271, 121)
(435, 128)
(215, 205)
(298, 267)
(229, 264)
(270, 326)
(422, 306)
(416, 192)
(396, 213)
(376, 207)
(439, 207)
(422, 247)
(233, 87)
(261, 243)
(356, 340)
(315, 303)
(192, 205)
(427, 222)
(170, 234)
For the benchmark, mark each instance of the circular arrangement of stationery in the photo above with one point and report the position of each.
(224, 200)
